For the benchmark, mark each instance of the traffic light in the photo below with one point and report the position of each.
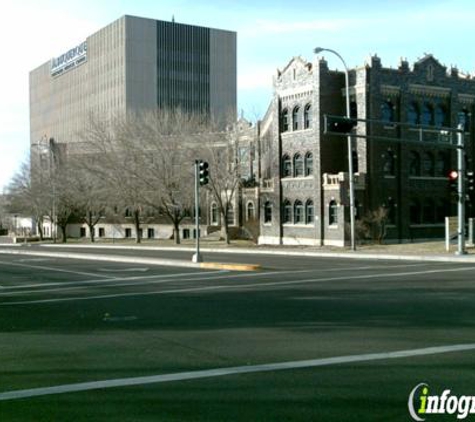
(338, 124)
(453, 182)
(204, 174)
(470, 181)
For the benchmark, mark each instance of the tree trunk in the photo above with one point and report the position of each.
(63, 233)
(39, 225)
(138, 238)
(176, 232)
(91, 227)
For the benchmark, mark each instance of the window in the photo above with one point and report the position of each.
(415, 211)
(332, 213)
(230, 216)
(186, 233)
(464, 118)
(102, 232)
(307, 116)
(286, 166)
(128, 233)
(440, 116)
(353, 109)
(414, 164)
(267, 212)
(428, 164)
(308, 164)
(413, 115)
(128, 212)
(214, 213)
(389, 167)
(298, 212)
(285, 120)
(428, 211)
(387, 112)
(296, 118)
(298, 165)
(441, 211)
(427, 117)
(391, 207)
(82, 232)
(287, 212)
(355, 162)
(309, 212)
(150, 233)
(250, 211)
(441, 165)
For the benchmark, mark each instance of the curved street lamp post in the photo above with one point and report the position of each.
(318, 50)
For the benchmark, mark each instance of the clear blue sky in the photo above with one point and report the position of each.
(270, 33)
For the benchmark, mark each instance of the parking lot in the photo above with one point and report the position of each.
(303, 339)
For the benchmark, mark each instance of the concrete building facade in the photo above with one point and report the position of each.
(133, 64)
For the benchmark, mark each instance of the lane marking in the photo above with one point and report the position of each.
(238, 286)
(41, 267)
(236, 370)
(118, 270)
(200, 276)
(85, 283)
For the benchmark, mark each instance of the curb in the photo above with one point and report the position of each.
(230, 267)
(137, 260)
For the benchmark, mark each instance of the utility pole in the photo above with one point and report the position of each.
(461, 190)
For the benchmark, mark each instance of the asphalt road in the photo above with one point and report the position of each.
(304, 339)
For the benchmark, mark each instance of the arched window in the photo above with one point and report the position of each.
(415, 211)
(332, 213)
(307, 116)
(308, 164)
(414, 164)
(287, 212)
(413, 114)
(267, 212)
(441, 164)
(286, 166)
(389, 166)
(250, 211)
(214, 214)
(296, 118)
(440, 116)
(309, 212)
(427, 164)
(387, 112)
(284, 120)
(298, 165)
(427, 117)
(298, 212)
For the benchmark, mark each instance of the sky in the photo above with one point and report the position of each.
(270, 34)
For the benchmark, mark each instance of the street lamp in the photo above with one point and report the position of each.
(318, 50)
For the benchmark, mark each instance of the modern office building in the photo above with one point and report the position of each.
(130, 65)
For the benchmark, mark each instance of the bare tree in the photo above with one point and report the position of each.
(225, 179)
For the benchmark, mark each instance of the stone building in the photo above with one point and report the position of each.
(399, 168)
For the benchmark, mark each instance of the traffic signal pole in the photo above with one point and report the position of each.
(197, 256)
(460, 192)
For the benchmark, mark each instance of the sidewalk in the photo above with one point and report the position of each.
(424, 251)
